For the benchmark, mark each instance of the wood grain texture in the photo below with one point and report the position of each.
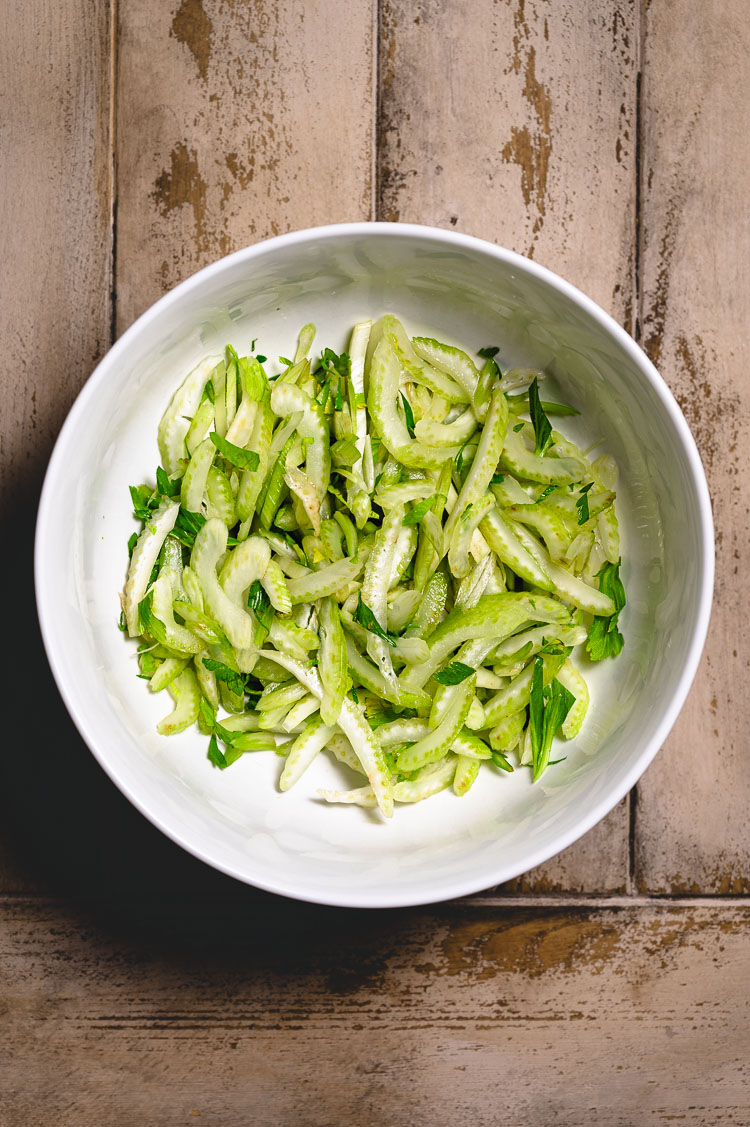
(490, 1016)
(693, 802)
(55, 204)
(516, 122)
(235, 121)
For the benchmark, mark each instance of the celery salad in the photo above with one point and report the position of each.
(388, 555)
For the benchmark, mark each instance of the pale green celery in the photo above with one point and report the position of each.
(332, 538)
(206, 680)
(494, 616)
(509, 491)
(354, 726)
(466, 773)
(179, 639)
(382, 396)
(433, 433)
(358, 499)
(609, 534)
(547, 469)
(415, 368)
(505, 735)
(406, 545)
(431, 607)
(210, 545)
(463, 532)
(566, 585)
(230, 393)
(243, 565)
(452, 361)
(219, 497)
(201, 424)
(292, 569)
(273, 582)
(219, 379)
(285, 401)
(544, 520)
(367, 674)
(292, 639)
(350, 532)
(531, 641)
(332, 662)
(571, 679)
(411, 650)
(304, 749)
(186, 693)
(202, 625)
(342, 750)
(473, 585)
(402, 606)
(403, 492)
(432, 748)
(361, 796)
(378, 570)
(502, 538)
(304, 342)
(299, 712)
(470, 746)
(475, 719)
(525, 749)
(175, 421)
(251, 481)
(486, 679)
(317, 584)
(247, 722)
(397, 732)
(170, 668)
(484, 465)
(145, 554)
(578, 553)
(516, 694)
(430, 781)
(305, 491)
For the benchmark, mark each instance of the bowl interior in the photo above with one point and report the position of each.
(464, 292)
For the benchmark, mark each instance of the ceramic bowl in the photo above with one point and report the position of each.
(464, 291)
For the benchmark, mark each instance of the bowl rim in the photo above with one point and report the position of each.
(395, 897)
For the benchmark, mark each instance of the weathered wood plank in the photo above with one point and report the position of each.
(692, 807)
(516, 122)
(516, 1015)
(235, 121)
(55, 204)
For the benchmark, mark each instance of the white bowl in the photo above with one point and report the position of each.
(464, 290)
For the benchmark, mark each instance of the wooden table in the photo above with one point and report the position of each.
(607, 139)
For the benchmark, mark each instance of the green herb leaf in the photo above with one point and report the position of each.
(364, 616)
(132, 541)
(517, 427)
(235, 455)
(582, 504)
(540, 422)
(408, 415)
(344, 452)
(166, 487)
(545, 493)
(339, 400)
(216, 755)
(208, 392)
(420, 510)
(260, 605)
(488, 353)
(460, 455)
(497, 479)
(148, 623)
(234, 681)
(283, 360)
(500, 761)
(604, 639)
(453, 674)
(547, 711)
(187, 526)
(207, 714)
(143, 500)
(355, 698)
(122, 625)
